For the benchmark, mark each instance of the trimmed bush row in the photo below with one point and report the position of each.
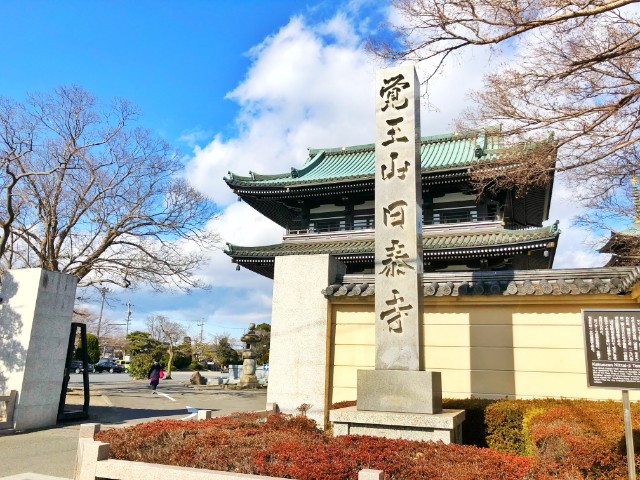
(583, 438)
(527, 439)
(291, 447)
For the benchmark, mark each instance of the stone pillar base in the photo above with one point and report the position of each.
(248, 381)
(445, 426)
(402, 391)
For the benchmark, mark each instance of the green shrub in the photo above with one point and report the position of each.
(504, 426)
(529, 445)
(194, 365)
(505, 420)
(93, 349)
(140, 365)
(181, 361)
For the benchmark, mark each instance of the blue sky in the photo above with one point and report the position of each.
(235, 85)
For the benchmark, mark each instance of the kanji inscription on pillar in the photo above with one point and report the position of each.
(398, 207)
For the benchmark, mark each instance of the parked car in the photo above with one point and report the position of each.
(125, 364)
(108, 365)
(76, 366)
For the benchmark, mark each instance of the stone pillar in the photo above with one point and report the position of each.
(35, 319)
(398, 207)
(298, 359)
(397, 384)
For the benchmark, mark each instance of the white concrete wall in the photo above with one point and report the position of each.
(298, 360)
(35, 321)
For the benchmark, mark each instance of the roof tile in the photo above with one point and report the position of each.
(440, 152)
(430, 243)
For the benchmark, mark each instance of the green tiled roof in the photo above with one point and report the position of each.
(633, 230)
(441, 152)
(440, 243)
(617, 241)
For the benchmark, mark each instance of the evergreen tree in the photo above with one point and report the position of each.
(93, 349)
(141, 342)
(225, 353)
(264, 345)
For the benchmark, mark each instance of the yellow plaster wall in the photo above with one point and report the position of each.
(516, 346)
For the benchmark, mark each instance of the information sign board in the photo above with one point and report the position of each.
(612, 348)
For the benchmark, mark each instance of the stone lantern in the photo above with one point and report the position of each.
(248, 378)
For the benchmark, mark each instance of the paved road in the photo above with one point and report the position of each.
(131, 401)
(118, 401)
(105, 377)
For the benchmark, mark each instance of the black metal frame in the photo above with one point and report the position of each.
(84, 413)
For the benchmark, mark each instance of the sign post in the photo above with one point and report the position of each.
(612, 351)
(628, 435)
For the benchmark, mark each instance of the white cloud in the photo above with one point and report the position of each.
(240, 224)
(576, 245)
(193, 136)
(308, 86)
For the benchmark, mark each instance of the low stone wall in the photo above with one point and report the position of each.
(93, 462)
(444, 426)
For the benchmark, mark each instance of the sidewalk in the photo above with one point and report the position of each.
(51, 452)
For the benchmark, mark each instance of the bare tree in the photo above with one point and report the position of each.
(170, 333)
(109, 328)
(114, 208)
(17, 133)
(574, 76)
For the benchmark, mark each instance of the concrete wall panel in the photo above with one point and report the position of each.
(36, 312)
(515, 346)
(300, 325)
(355, 355)
(355, 334)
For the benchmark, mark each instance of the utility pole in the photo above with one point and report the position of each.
(103, 292)
(129, 305)
(201, 325)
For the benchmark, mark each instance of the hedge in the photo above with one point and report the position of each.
(292, 447)
(529, 439)
(575, 438)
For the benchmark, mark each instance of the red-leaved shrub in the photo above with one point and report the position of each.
(292, 447)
